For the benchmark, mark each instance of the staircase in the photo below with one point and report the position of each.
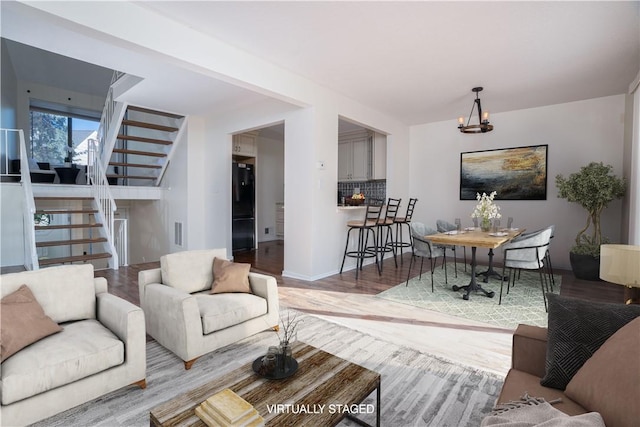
(144, 146)
(66, 232)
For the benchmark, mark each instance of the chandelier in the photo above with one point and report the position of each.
(483, 118)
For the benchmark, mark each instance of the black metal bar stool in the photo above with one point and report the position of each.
(384, 232)
(365, 227)
(399, 242)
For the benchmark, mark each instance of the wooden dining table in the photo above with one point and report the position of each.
(475, 238)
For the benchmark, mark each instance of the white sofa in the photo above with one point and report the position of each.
(183, 315)
(101, 348)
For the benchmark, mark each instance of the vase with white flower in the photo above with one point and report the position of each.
(486, 210)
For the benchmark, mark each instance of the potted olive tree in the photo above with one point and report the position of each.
(592, 188)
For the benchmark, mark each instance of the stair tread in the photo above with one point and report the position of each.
(70, 242)
(145, 139)
(141, 153)
(132, 176)
(156, 112)
(147, 125)
(49, 261)
(65, 226)
(65, 211)
(135, 165)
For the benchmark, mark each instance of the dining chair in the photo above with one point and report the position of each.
(527, 252)
(548, 256)
(443, 226)
(424, 249)
(365, 227)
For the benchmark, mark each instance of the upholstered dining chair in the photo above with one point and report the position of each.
(547, 260)
(527, 252)
(443, 226)
(424, 249)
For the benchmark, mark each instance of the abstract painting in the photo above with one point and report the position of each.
(514, 173)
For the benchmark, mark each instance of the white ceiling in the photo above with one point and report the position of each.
(415, 61)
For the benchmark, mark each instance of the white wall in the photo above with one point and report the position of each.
(633, 153)
(11, 227)
(269, 185)
(577, 133)
(8, 106)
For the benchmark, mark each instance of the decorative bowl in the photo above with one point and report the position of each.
(353, 202)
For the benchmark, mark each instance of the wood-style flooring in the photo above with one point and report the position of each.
(343, 299)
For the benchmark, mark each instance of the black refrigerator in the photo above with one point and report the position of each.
(243, 206)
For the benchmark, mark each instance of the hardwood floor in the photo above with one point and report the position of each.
(343, 299)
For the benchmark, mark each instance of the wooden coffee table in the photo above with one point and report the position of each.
(323, 391)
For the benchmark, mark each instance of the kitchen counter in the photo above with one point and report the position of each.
(349, 207)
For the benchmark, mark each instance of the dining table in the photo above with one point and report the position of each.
(476, 238)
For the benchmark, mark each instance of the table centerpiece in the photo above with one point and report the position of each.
(486, 210)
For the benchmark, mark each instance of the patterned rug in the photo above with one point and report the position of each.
(523, 304)
(418, 389)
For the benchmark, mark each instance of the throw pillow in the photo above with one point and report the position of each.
(230, 277)
(610, 380)
(576, 330)
(22, 322)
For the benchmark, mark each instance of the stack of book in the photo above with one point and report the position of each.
(227, 409)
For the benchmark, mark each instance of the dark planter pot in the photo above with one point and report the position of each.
(585, 267)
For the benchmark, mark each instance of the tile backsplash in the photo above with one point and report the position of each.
(374, 189)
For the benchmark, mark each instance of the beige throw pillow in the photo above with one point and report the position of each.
(230, 277)
(609, 381)
(22, 322)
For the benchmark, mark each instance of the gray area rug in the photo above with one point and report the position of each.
(523, 304)
(417, 389)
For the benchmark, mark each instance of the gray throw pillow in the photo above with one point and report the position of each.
(576, 330)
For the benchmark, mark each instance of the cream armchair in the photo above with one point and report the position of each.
(182, 314)
(101, 348)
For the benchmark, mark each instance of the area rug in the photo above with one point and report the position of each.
(417, 389)
(523, 304)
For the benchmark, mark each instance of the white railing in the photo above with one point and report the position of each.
(122, 240)
(9, 149)
(30, 253)
(107, 113)
(105, 203)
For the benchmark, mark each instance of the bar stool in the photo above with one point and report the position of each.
(364, 227)
(384, 232)
(399, 243)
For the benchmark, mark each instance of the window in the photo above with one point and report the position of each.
(60, 136)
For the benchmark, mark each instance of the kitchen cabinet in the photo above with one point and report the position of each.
(362, 156)
(280, 220)
(354, 157)
(244, 144)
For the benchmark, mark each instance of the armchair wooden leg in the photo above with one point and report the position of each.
(142, 383)
(189, 363)
(276, 328)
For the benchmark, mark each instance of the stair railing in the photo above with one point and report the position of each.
(122, 240)
(112, 114)
(30, 252)
(105, 203)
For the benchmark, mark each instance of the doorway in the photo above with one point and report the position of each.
(263, 150)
